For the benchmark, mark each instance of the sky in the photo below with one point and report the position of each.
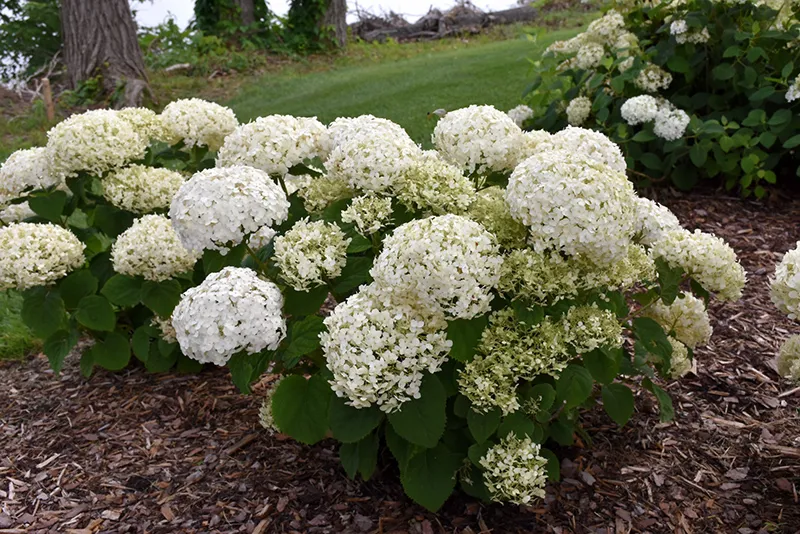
(157, 11)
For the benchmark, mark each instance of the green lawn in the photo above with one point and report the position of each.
(404, 91)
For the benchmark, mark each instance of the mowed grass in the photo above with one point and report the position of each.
(15, 339)
(404, 91)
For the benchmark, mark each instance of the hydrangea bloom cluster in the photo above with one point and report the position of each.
(578, 110)
(706, 258)
(372, 160)
(150, 248)
(574, 204)
(343, 129)
(96, 141)
(166, 328)
(431, 185)
(369, 213)
(311, 253)
(654, 221)
(16, 213)
(588, 143)
(540, 278)
(142, 189)
(686, 318)
(683, 34)
(680, 362)
(652, 78)
(520, 114)
(639, 109)
(37, 255)
(265, 417)
(217, 208)
(478, 139)
(26, 170)
(197, 122)
(670, 123)
(589, 56)
(789, 359)
(587, 328)
(145, 122)
(232, 311)
(785, 286)
(274, 143)
(321, 192)
(514, 471)
(490, 209)
(447, 262)
(793, 93)
(261, 238)
(378, 349)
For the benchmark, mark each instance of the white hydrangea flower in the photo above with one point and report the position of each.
(378, 349)
(232, 311)
(311, 253)
(343, 129)
(654, 220)
(95, 141)
(197, 122)
(372, 160)
(785, 286)
(578, 110)
(321, 192)
(26, 170)
(607, 28)
(639, 109)
(793, 93)
(164, 324)
(479, 139)
(706, 258)
(587, 328)
(448, 262)
(217, 208)
(589, 56)
(145, 122)
(575, 204)
(680, 362)
(15, 213)
(539, 278)
(569, 46)
(142, 189)
(261, 238)
(151, 249)
(265, 418)
(37, 255)
(514, 471)
(626, 44)
(625, 64)
(490, 209)
(652, 78)
(274, 143)
(789, 359)
(678, 27)
(670, 123)
(431, 185)
(686, 318)
(593, 144)
(369, 213)
(637, 266)
(520, 114)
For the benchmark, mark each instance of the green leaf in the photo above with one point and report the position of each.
(602, 365)
(787, 69)
(651, 161)
(465, 335)
(401, 449)
(544, 395)
(354, 274)
(162, 357)
(679, 63)
(96, 313)
(349, 424)
(780, 117)
(429, 478)
(110, 220)
(112, 353)
(58, 346)
(76, 286)
(517, 423)
(669, 280)
(302, 338)
(643, 136)
(123, 290)
(762, 94)
(618, 402)
(698, 154)
(421, 421)
(652, 337)
(473, 484)
(553, 466)
(161, 297)
(664, 400)
(731, 51)
(304, 302)
(723, 71)
(50, 206)
(792, 141)
(214, 261)
(140, 341)
(358, 243)
(483, 425)
(526, 315)
(43, 311)
(478, 451)
(241, 366)
(300, 407)
(86, 363)
(574, 385)
(187, 365)
(360, 457)
(562, 430)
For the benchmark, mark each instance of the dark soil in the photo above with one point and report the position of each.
(131, 452)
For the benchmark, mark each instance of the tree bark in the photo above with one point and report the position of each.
(247, 11)
(100, 39)
(336, 19)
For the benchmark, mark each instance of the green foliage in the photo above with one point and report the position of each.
(30, 35)
(304, 30)
(734, 88)
(16, 339)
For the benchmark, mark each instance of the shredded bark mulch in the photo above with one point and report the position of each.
(132, 452)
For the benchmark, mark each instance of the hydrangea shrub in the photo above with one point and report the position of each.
(460, 306)
(785, 294)
(690, 90)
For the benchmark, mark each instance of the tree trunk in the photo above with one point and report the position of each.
(100, 39)
(336, 19)
(247, 11)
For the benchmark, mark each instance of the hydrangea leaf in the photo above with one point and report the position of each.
(421, 421)
(349, 424)
(96, 313)
(360, 457)
(300, 407)
(429, 478)
(618, 402)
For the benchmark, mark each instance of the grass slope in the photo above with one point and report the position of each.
(404, 91)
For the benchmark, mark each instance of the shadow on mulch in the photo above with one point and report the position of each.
(132, 452)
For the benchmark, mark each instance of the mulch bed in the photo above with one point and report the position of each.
(131, 452)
